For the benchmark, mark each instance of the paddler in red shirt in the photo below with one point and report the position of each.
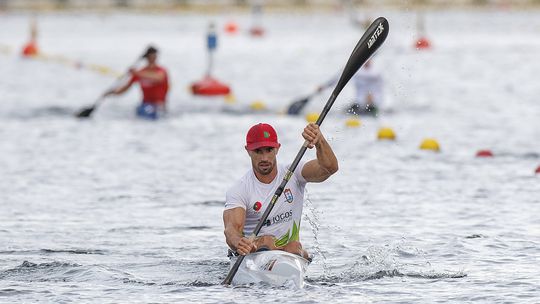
(154, 84)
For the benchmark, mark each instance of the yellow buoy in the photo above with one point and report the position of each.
(386, 133)
(230, 98)
(430, 144)
(312, 117)
(258, 105)
(353, 123)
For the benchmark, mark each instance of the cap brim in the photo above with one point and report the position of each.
(255, 146)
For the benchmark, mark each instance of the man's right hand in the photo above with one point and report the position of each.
(245, 246)
(108, 93)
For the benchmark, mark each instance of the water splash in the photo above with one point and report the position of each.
(312, 217)
(388, 261)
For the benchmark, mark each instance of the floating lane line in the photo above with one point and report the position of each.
(63, 60)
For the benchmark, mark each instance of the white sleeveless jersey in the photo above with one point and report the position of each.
(253, 196)
(368, 82)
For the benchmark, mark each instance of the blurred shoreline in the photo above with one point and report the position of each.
(246, 6)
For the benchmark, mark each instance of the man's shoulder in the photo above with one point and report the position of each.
(297, 172)
(286, 167)
(158, 68)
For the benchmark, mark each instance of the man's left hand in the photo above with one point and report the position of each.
(312, 134)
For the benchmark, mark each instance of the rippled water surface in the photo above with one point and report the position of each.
(116, 209)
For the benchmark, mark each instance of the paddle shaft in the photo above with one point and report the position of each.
(115, 85)
(118, 81)
(88, 111)
(372, 39)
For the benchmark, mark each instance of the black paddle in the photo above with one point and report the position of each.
(86, 112)
(296, 107)
(372, 39)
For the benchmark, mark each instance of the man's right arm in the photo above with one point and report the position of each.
(234, 220)
(121, 89)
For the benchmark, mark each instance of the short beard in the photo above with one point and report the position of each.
(264, 171)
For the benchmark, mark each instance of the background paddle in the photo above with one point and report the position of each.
(86, 112)
(296, 107)
(372, 39)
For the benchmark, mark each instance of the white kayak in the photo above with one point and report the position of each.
(274, 267)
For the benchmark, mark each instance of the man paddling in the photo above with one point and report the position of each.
(154, 83)
(368, 84)
(249, 197)
(369, 91)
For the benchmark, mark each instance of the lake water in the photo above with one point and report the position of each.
(116, 209)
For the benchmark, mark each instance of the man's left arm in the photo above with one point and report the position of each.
(326, 164)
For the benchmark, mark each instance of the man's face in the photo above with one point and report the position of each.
(152, 57)
(263, 160)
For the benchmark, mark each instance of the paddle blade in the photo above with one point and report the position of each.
(296, 107)
(85, 113)
(370, 42)
(228, 279)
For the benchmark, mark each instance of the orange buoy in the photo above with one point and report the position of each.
(423, 43)
(484, 153)
(30, 49)
(231, 27)
(256, 31)
(209, 86)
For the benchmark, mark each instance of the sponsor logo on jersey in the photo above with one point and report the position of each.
(288, 195)
(279, 218)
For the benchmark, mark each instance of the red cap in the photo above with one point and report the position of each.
(261, 135)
